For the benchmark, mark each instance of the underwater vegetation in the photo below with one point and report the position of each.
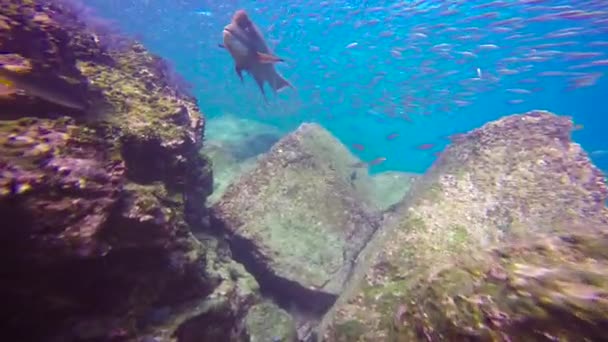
(109, 232)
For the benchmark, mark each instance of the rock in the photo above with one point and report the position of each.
(434, 272)
(57, 189)
(98, 203)
(390, 187)
(296, 220)
(219, 315)
(267, 322)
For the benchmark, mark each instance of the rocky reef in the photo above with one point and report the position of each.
(106, 235)
(503, 239)
(101, 187)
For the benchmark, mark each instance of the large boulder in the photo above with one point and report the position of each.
(433, 273)
(297, 221)
(100, 183)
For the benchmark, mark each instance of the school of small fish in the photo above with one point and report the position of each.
(405, 60)
(432, 56)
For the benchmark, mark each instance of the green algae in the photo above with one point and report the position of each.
(488, 259)
(318, 228)
(433, 193)
(459, 235)
(474, 300)
(414, 224)
(351, 330)
(27, 143)
(267, 322)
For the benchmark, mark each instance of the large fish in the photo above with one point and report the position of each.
(246, 45)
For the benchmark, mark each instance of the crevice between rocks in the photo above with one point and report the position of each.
(306, 306)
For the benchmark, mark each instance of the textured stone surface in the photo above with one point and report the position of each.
(97, 204)
(432, 273)
(267, 322)
(296, 220)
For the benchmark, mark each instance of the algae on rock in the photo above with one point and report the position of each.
(296, 221)
(98, 203)
(487, 242)
(267, 322)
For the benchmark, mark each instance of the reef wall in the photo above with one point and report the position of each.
(104, 233)
(101, 186)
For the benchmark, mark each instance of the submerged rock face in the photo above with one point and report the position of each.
(267, 322)
(433, 274)
(296, 220)
(98, 190)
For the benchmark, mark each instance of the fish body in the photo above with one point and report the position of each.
(11, 80)
(250, 53)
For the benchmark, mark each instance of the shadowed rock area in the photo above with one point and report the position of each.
(502, 239)
(296, 221)
(101, 181)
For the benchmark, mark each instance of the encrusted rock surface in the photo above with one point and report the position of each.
(504, 238)
(296, 221)
(267, 322)
(97, 201)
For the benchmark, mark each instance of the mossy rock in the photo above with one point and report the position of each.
(296, 220)
(431, 273)
(267, 322)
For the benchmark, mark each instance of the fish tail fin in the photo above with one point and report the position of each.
(279, 82)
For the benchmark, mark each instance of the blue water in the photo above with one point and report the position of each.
(361, 94)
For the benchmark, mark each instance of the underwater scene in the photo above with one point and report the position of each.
(282, 171)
